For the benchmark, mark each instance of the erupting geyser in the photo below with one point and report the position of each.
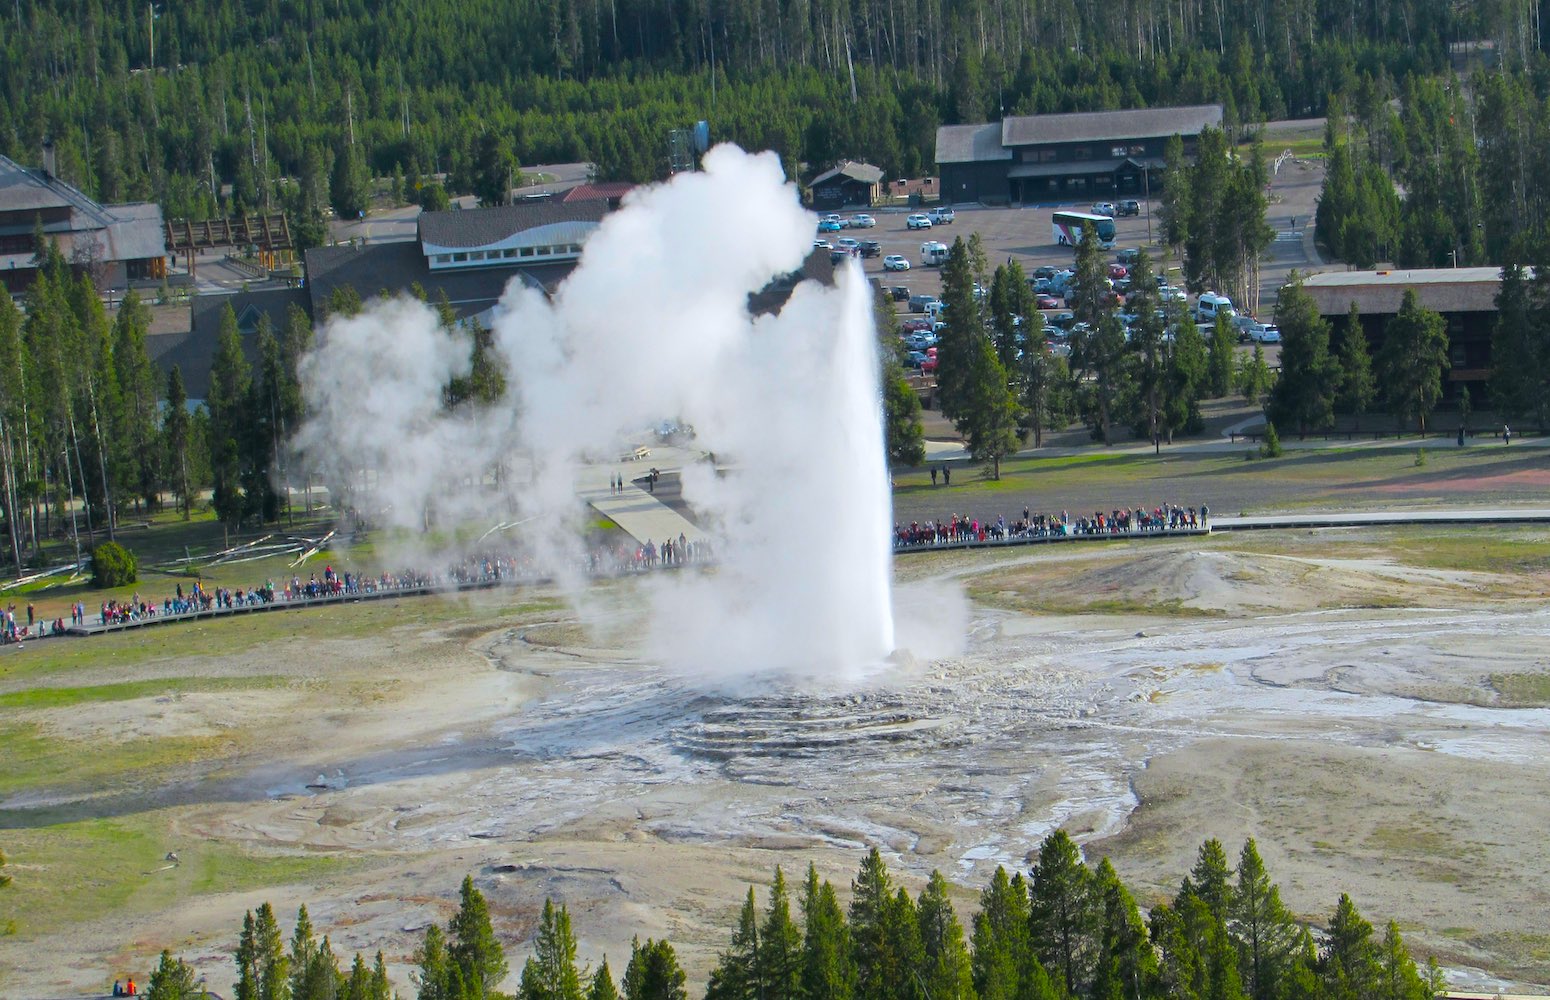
(653, 324)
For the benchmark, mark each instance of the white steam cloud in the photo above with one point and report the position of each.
(653, 325)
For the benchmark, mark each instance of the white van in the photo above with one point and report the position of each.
(933, 254)
(1211, 305)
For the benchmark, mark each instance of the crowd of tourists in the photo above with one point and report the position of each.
(482, 570)
(958, 529)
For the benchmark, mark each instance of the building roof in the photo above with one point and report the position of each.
(121, 232)
(193, 350)
(483, 226)
(1098, 126)
(863, 172)
(609, 191)
(970, 144)
(1380, 293)
(395, 267)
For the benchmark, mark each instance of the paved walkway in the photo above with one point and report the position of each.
(1507, 515)
(639, 514)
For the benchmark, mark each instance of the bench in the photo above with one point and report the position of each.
(636, 455)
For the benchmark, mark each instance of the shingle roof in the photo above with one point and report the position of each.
(1380, 293)
(477, 227)
(398, 265)
(970, 144)
(1097, 126)
(863, 172)
(601, 191)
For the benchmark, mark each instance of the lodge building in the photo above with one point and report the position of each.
(1088, 156)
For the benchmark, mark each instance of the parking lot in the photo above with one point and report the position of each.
(1026, 236)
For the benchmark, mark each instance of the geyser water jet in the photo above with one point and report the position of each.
(654, 323)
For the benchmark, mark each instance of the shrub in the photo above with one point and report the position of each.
(1271, 446)
(112, 565)
(1420, 457)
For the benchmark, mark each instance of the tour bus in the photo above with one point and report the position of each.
(1068, 228)
(933, 254)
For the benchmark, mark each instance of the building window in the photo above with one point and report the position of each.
(460, 257)
(508, 253)
(1138, 150)
(1118, 152)
(1457, 356)
(1083, 153)
(527, 251)
(1047, 155)
(443, 258)
(575, 248)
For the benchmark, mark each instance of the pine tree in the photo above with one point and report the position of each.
(304, 949)
(358, 983)
(175, 439)
(1149, 342)
(137, 387)
(430, 977)
(1304, 393)
(1219, 363)
(739, 971)
(1412, 360)
(1348, 966)
(1357, 386)
(828, 965)
(780, 946)
(1098, 350)
(5, 879)
(958, 349)
(946, 970)
(1209, 879)
(380, 988)
(1127, 964)
(989, 419)
(654, 973)
(602, 987)
(1186, 378)
(1001, 944)
(1039, 381)
(473, 944)
(1265, 931)
(1254, 378)
(230, 381)
(551, 973)
(1064, 913)
(172, 979)
(1514, 381)
(870, 894)
(1398, 978)
(905, 435)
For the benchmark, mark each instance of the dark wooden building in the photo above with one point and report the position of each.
(1060, 158)
(849, 184)
(1465, 296)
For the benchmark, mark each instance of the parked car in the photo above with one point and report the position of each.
(1116, 271)
(918, 221)
(1047, 302)
(918, 303)
(840, 255)
(847, 243)
(822, 245)
(1247, 327)
(942, 216)
(1129, 207)
(1059, 320)
(928, 366)
(1270, 335)
(894, 262)
(899, 293)
(871, 248)
(830, 225)
(914, 359)
(1211, 305)
(1128, 256)
(862, 222)
(1105, 208)
(916, 324)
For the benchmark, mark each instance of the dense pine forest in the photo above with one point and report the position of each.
(193, 102)
(1065, 930)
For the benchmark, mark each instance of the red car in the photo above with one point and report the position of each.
(1118, 271)
(919, 324)
(1049, 302)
